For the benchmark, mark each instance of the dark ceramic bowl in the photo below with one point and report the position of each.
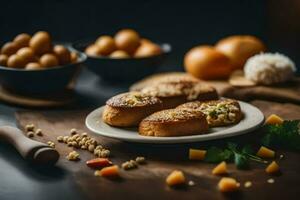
(51, 80)
(127, 69)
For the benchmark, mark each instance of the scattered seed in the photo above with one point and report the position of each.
(60, 138)
(247, 184)
(270, 180)
(84, 134)
(83, 147)
(73, 156)
(39, 132)
(281, 156)
(91, 148)
(73, 131)
(140, 160)
(51, 144)
(29, 127)
(66, 139)
(30, 134)
(131, 164)
(191, 183)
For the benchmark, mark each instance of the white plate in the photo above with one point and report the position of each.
(253, 119)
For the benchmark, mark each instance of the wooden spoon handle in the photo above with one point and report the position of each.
(29, 149)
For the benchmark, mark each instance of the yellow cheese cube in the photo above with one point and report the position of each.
(272, 168)
(220, 169)
(265, 152)
(274, 119)
(196, 154)
(175, 178)
(227, 184)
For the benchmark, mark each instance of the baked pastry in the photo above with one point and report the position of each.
(220, 112)
(167, 77)
(128, 109)
(173, 122)
(173, 94)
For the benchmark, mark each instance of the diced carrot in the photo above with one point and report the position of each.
(175, 178)
(110, 171)
(98, 162)
(220, 169)
(274, 119)
(227, 184)
(265, 152)
(272, 168)
(196, 154)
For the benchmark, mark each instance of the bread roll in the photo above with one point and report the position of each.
(173, 122)
(173, 94)
(128, 109)
(239, 48)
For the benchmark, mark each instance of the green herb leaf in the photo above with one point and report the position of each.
(241, 161)
(284, 135)
(216, 155)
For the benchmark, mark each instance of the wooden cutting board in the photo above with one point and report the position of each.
(148, 181)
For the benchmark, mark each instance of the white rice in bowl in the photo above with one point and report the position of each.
(269, 68)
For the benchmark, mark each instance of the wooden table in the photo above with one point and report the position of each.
(74, 180)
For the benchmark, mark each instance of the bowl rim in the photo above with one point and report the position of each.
(166, 47)
(82, 58)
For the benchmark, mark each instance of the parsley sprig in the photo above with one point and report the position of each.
(232, 153)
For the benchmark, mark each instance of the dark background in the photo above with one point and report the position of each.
(183, 24)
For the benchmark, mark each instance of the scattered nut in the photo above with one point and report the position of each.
(247, 184)
(39, 132)
(51, 144)
(66, 139)
(97, 173)
(91, 148)
(84, 134)
(60, 138)
(73, 156)
(83, 147)
(140, 160)
(73, 131)
(131, 164)
(29, 127)
(281, 156)
(30, 134)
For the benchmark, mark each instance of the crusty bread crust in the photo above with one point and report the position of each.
(220, 112)
(128, 109)
(174, 94)
(168, 77)
(173, 122)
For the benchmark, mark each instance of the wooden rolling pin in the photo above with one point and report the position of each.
(30, 150)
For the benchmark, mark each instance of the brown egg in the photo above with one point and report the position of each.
(3, 60)
(74, 57)
(26, 54)
(63, 54)
(40, 42)
(22, 40)
(93, 50)
(48, 60)
(147, 50)
(33, 66)
(127, 40)
(205, 62)
(9, 48)
(15, 61)
(119, 54)
(106, 44)
(240, 48)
